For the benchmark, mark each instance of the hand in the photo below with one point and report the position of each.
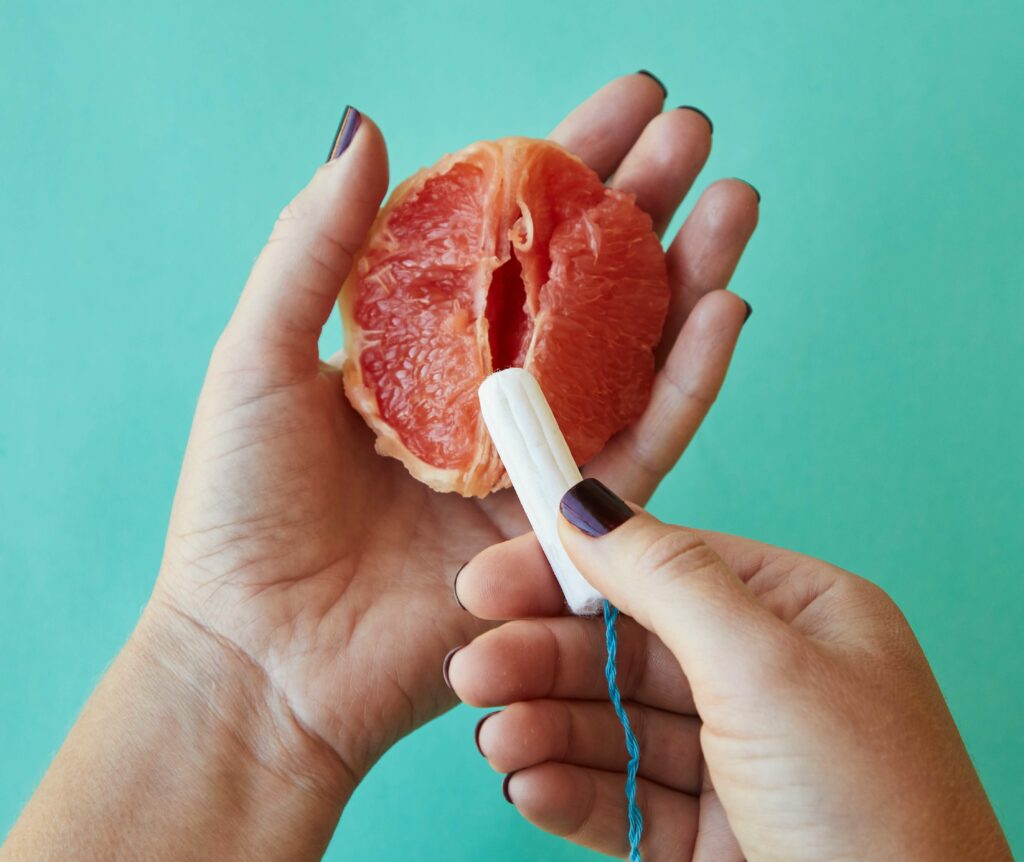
(305, 599)
(326, 567)
(783, 706)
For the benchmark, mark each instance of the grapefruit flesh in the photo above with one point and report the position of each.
(508, 253)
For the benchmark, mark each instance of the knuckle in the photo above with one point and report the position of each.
(675, 552)
(871, 598)
(286, 219)
(890, 623)
(875, 616)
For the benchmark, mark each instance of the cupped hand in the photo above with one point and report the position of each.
(325, 567)
(783, 706)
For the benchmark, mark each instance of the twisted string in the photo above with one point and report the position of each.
(636, 821)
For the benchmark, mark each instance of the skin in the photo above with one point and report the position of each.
(784, 709)
(304, 603)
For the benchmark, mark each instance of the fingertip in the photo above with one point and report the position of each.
(480, 740)
(719, 312)
(294, 284)
(552, 796)
(662, 165)
(649, 75)
(506, 788)
(363, 165)
(468, 670)
(603, 128)
(732, 205)
(509, 580)
(459, 672)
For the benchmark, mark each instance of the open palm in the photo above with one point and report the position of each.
(328, 567)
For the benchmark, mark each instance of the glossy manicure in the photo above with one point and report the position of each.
(593, 509)
(447, 664)
(347, 128)
(750, 311)
(711, 125)
(656, 80)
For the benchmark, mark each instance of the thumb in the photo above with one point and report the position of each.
(672, 583)
(298, 275)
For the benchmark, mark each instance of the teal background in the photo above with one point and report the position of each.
(873, 416)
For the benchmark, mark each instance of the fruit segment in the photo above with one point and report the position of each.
(541, 467)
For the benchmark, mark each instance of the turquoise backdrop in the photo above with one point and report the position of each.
(874, 412)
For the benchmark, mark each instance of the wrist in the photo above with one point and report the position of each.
(183, 738)
(233, 733)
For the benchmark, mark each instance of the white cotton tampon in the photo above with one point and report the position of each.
(538, 461)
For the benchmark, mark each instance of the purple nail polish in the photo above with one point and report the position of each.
(347, 128)
(593, 509)
(447, 664)
(696, 110)
(455, 586)
(479, 725)
(656, 80)
(504, 788)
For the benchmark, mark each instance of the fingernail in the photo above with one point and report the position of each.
(750, 311)
(480, 724)
(455, 586)
(756, 192)
(593, 509)
(699, 111)
(504, 788)
(347, 128)
(447, 663)
(656, 80)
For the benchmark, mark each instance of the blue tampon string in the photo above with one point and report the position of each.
(636, 820)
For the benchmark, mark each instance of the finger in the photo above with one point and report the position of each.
(664, 162)
(588, 807)
(715, 840)
(705, 252)
(296, 279)
(508, 581)
(588, 733)
(676, 586)
(639, 457)
(562, 658)
(603, 128)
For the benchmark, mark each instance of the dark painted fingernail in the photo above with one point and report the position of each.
(756, 192)
(699, 111)
(447, 664)
(750, 311)
(656, 80)
(347, 128)
(504, 788)
(480, 724)
(593, 509)
(455, 586)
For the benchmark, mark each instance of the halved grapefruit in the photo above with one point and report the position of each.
(508, 253)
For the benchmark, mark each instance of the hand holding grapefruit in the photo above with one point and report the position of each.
(331, 570)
